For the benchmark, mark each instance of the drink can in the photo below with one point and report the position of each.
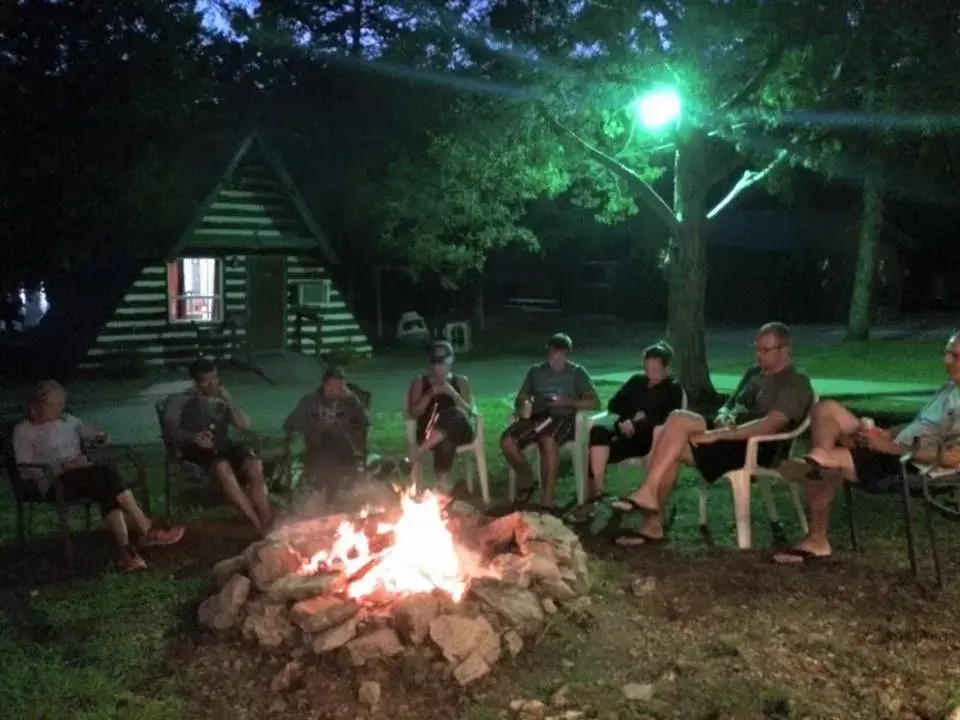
(867, 423)
(526, 409)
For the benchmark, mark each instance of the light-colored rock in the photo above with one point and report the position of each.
(335, 637)
(221, 611)
(457, 637)
(270, 631)
(291, 674)
(643, 586)
(459, 507)
(322, 613)
(542, 568)
(517, 606)
(549, 605)
(529, 708)
(225, 569)
(556, 589)
(561, 697)
(412, 617)
(301, 587)
(512, 568)
(573, 715)
(379, 644)
(272, 561)
(369, 693)
(471, 669)
(262, 606)
(543, 548)
(513, 642)
(638, 692)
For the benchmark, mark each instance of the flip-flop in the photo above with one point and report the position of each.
(585, 512)
(637, 539)
(525, 494)
(799, 556)
(628, 506)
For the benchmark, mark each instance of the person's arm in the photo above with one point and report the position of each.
(525, 393)
(419, 397)
(463, 394)
(235, 416)
(173, 421)
(296, 421)
(586, 392)
(621, 403)
(790, 407)
(23, 446)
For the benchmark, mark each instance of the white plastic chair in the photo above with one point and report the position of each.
(580, 434)
(638, 462)
(740, 481)
(477, 447)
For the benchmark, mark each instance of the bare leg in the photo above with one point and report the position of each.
(128, 504)
(518, 462)
(429, 443)
(830, 422)
(672, 448)
(549, 462)
(259, 495)
(234, 493)
(116, 524)
(599, 456)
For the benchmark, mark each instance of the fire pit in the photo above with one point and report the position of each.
(416, 578)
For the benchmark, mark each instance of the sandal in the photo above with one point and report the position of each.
(628, 506)
(636, 539)
(586, 512)
(799, 556)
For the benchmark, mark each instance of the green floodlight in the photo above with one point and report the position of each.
(658, 108)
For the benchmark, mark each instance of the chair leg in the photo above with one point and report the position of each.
(740, 483)
(468, 475)
(63, 513)
(166, 484)
(512, 485)
(481, 457)
(772, 515)
(704, 489)
(21, 527)
(798, 505)
(910, 531)
(934, 548)
(852, 520)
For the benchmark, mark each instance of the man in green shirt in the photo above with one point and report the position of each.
(547, 404)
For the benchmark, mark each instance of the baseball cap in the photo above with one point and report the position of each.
(334, 372)
(560, 341)
(440, 352)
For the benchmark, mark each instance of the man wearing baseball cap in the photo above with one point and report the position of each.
(547, 404)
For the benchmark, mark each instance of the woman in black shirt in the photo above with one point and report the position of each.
(441, 403)
(643, 403)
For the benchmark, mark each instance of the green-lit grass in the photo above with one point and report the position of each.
(91, 648)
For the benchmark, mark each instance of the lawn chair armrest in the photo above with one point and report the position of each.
(27, 485)
(754, 443)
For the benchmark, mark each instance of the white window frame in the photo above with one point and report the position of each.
(328, 291)
(218, 298)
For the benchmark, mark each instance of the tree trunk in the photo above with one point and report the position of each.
(871, 212)
(688, 267)
(356, 28)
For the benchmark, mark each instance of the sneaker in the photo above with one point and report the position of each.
(170, 536)
(131, 561)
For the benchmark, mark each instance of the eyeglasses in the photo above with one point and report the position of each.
(764, 350)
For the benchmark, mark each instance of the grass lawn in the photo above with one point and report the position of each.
(723, 635)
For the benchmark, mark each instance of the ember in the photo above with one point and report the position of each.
(420, 554)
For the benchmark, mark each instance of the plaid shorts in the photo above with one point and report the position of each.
(527, 432)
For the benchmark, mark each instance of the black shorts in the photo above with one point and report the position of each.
(97, 483)
(621, 446)
(876, 472)
(234, 453)
(715, 460)
(525, 433)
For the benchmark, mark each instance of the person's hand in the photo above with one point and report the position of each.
(560, 401)
(725, 418)
(950, 458)
(874, 439)
(204, 439)
(101, 438)
(626, 428)
(704, 438)
(225, 396)
(640, 416)
(448, 389)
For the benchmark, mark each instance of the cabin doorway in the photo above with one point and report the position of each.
(266, 302)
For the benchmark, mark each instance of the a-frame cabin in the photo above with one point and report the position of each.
(251, 274)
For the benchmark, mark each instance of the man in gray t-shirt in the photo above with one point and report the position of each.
(547, 404)
(772, 398)
(333, 422)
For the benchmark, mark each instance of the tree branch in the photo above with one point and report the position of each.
(724, 170)
(756, 80)
(641, 186)
(747, 181)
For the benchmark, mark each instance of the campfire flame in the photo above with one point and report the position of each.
(423, 555)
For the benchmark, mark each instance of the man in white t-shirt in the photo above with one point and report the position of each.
(48, 437)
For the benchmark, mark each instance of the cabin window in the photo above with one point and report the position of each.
(195, 290)
(314, 294)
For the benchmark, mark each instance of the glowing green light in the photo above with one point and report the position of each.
(658, 108)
